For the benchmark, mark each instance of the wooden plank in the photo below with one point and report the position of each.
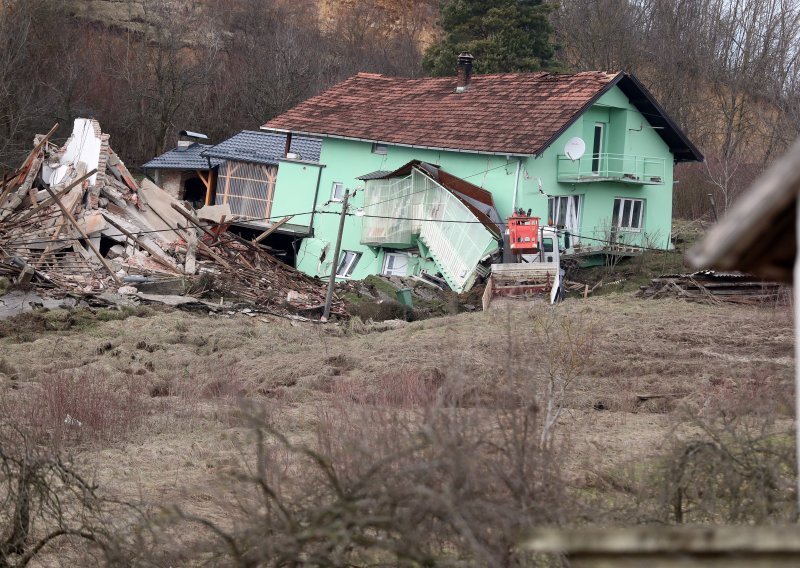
(272, 229)
(189, 217)
(50, 201)
(207, 250)
(23, 171)
(78, 228)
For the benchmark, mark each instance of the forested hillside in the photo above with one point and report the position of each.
(726, 70)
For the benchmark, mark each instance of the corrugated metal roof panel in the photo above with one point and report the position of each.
(378, 174)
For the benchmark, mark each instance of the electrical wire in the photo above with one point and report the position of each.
(560, 232)
(210, 225)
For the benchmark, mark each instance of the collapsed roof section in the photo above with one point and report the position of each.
(453, 222)
(479, 201)
(74, 220)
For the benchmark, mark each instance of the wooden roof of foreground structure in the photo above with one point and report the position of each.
(758, 235)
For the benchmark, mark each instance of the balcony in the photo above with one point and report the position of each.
(619, 168)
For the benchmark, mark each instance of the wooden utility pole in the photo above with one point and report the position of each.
(335, 264)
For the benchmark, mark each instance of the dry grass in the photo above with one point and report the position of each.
(183, 377)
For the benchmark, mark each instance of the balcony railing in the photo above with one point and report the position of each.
(622, 168)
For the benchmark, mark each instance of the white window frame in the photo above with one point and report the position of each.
(387, 256)
(348, 263)
(380, 148)
(337, 191)
(599, 152)
(556, 205)
(625, 224)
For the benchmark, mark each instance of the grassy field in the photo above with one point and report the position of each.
(159, 395)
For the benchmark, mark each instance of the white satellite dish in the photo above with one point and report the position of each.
(575, 148)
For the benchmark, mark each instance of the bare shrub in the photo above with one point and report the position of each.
(84, 405)
(730, 461)
(221, 378)
(406, 388)
(45, 501)
(740, 469)
(559, 347)
(381, 486)
(407, 468)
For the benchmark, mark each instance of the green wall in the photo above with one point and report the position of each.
(294, 191)
(627, 132)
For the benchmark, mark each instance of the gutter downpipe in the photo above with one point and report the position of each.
(516, 187)
(796, 289)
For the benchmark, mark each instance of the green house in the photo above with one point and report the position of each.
(592, 153)
(436, 165)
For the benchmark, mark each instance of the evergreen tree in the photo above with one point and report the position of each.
(503, 35)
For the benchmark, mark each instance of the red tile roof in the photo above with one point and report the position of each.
(513, 113)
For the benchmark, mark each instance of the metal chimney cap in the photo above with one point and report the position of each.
(465, 57)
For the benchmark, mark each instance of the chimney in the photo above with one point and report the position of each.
(187, 138)
(465, 60)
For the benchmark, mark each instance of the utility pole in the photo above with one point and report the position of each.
(335, 264)
(713, 207)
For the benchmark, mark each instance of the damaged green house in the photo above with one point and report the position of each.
(592, 153)
(435, 166)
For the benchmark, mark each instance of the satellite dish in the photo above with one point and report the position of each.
(575, 148)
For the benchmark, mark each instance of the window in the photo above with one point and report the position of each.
(348, 263)
(597, 148)
(395, 264)
(247, 188)
(564, 211)
(378, 148)
(547, 245)
(337, 191)
(628, 214)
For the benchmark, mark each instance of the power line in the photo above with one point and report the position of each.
(210, 225)
(560, 232)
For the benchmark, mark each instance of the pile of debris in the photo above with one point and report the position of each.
(73, 220)
(712, 287)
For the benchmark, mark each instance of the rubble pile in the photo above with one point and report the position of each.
(708, 286)
(73, 220)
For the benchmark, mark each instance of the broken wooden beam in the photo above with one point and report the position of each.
(74, 223)
(50, 201)
(271, 230)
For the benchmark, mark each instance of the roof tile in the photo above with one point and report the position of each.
(264, 147)
(527, 108)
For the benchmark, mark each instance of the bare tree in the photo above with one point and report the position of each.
(725, 70)
(44, 500)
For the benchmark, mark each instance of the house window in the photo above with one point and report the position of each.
(337, 191)
(628, 214)
(378, 148)
(348, 263)
(597, 148)
(395, 264)
(564, 211)
(247, 188)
